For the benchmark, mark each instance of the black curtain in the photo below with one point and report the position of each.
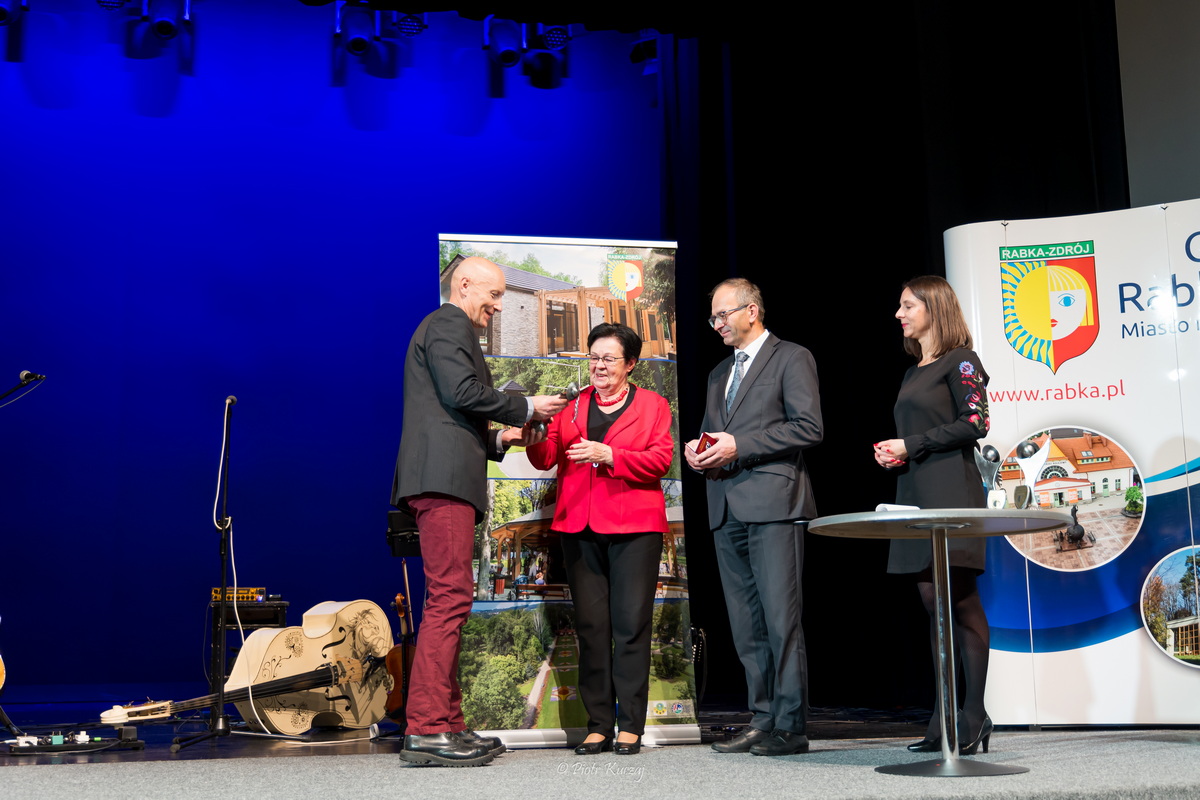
(821, 155)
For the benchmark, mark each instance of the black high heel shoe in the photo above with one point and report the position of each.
(628, 748)
(926, 745)
(985, 734)
(605, 745)
(930, 744)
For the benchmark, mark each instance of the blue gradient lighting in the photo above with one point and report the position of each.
(174, 239)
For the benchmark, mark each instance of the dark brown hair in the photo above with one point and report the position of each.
(946, 320)
(631, 343)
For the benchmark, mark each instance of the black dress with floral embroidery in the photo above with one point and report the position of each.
(941, 412)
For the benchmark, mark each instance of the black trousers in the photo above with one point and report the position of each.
(612, 579)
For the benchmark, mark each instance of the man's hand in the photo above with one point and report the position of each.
(689, 454)
(520, 437)
(723, 452)
(546, 406)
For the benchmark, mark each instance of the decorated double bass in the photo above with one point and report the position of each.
(326, 672)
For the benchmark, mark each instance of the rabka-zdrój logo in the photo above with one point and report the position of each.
(1048, 292)
(623, 276)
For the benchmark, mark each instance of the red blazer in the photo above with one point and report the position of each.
(626, 497)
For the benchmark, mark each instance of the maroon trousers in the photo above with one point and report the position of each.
(447, 526)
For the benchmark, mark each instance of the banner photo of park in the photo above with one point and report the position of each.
(519, 663)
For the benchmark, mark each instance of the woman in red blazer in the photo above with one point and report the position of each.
(612, 447)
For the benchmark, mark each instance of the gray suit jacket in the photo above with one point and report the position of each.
(776, 414)
(448, 400)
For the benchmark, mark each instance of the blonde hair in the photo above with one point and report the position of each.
(1061, 279)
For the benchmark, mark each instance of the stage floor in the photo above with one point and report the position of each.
(717, 722)
(1063, 765)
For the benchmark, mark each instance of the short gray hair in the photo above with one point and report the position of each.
(746, 292)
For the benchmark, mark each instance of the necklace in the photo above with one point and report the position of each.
(600, 401)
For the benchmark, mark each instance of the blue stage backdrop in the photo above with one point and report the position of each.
(249, 229)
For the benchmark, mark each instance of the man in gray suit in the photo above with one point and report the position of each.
(763, 409)
(441, 478)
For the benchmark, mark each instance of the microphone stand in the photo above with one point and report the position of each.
(218, 720)
(8, 723)
(24, 382)
(27, 378)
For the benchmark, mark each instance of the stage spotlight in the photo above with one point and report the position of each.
(545, 56)
(502, 40)
(550, 37)
(358, 34)
(10, 10)
(165, 28)
(356, 28)
(645, 52)
(161, 21)
(545, 68)
(410, 24)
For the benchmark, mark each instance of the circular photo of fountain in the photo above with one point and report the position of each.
(1086, 474)
(1171, 606)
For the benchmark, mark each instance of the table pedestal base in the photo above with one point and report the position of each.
(941, 524)
(951, 768)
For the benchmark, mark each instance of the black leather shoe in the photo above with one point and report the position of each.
(605, 745)
(781, 743)
(628, 748)
(743, 741)
(492, 743)
(926, 746)
(445, 749)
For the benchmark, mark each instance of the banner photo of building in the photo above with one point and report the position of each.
(519, 663)
(1089, 327)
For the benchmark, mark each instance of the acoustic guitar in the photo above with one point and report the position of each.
(324, 673)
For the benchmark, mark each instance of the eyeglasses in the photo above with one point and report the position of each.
(592, 357)
(722, 316)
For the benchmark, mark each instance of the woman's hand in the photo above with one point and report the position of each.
(891, 453)
(587, 450)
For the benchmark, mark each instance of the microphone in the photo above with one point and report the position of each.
(29, 377)
(231, 401)
(569, 393)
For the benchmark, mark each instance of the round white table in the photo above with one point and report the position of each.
(939, 525)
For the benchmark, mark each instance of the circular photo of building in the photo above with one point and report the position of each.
(1171, 606)
(1083, 472)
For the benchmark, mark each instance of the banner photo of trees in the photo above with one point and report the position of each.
(519, 662)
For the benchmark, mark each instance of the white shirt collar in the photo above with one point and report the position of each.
(751, 350)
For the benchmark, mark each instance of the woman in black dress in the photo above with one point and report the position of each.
(940, 413)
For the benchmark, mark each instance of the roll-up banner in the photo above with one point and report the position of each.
(520, 658)
(1090, 329)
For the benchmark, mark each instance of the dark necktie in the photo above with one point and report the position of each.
(740, 359)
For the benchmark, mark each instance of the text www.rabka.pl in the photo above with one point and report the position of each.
(1066, 391)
